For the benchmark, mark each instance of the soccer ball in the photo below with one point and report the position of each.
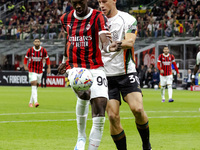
(155, 86)
(80, 79)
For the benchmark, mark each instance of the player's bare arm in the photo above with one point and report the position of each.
(25, 67)
(48, 69)
(129, 40)
(62, 66)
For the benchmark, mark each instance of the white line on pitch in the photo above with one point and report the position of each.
(64, 112)
(68, 112)
(124, 118)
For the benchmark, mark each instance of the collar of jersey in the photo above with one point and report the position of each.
(36, 49)
(112, 18)
(165, 55)
(85, 17)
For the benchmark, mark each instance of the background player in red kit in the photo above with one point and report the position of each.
(164, 64)
(86, 36)
(35, 56)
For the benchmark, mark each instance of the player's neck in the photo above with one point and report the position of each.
(37, 47)
(113, 13)
(166, 54)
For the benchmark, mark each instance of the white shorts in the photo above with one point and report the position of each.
(165, 80)
(99, 86)
(35, 77)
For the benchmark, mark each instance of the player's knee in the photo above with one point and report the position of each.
(98, 106)
(85, 95)
(114, 118)
(138, 111)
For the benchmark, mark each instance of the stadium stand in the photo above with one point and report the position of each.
(158, 20)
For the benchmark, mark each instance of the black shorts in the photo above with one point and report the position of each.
(123, 84)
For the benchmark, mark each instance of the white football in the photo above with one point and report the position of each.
(80, 79)
(155, 86)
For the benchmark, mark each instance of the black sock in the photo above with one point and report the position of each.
(144, 134)
(120, 140)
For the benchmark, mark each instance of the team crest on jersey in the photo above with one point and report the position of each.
(115, 35)
(169, 58)
(88, 26)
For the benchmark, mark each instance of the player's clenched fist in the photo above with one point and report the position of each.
(62, 68)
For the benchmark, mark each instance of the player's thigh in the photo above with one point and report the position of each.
(39, 77)
(134, 101)
(32, 76)
(163, 80)
(98, 105)
(169, 79)
(99, 86)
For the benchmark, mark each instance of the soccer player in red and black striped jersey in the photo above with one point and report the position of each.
(34, 57)
(86, 36)
(164, 64)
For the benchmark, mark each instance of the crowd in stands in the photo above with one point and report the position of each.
(37, 19)
(148, 76)
(41, 19)
(171, 18)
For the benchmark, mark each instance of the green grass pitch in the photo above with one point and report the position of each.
(52, 126)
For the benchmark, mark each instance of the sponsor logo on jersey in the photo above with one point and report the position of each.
(36, 58)
(166, 63)
(69, 25)
(79, 41)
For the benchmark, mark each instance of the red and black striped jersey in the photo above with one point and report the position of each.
(35, 57)
(166, 63)
(83, 45)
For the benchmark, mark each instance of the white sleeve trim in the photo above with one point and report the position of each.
(104, 31)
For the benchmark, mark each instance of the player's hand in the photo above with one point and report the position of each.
(26, 68)
(62, 68)
(161, 71)
(115, 46)
(48, 70)
(178, 75)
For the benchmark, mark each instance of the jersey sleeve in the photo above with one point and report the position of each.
(198, 58)
(45, 54)
(62, 21)
(130, 24)
(27, 54)
(102, 23)
(159, 58)
(173, 58)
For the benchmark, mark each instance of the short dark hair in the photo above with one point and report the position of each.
(36, 39)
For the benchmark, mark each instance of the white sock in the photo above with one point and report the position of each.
(96, 133)
(169, 91)
(34, 93)
(31, 99)
(163, 92)
(82, 107)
